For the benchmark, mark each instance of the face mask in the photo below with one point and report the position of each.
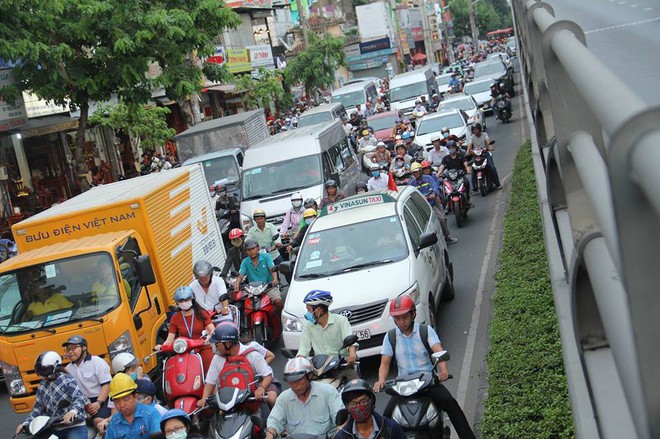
(445, 135)
(186, 305)
(134, 376)
(452, 151)
(361, 191)
(360, 414)
(237, 242)
(183, 434)
(310, 317)
(310, 221)
(375, 173)
(399, 163)
(296, 203)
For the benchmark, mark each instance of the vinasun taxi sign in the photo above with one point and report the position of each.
(356, 202)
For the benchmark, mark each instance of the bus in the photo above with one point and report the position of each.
(500, 34)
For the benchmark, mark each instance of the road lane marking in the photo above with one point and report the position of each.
(619, 26)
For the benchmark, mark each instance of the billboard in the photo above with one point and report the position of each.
(12, 115)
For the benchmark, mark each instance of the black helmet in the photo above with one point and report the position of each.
(357, 387)
(75, 339)
(224, 333)
(202, 268)
(476, 126)
(310, 202)
(330, 183)
(361, 185)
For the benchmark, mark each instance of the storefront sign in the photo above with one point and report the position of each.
(370, 64)
(352, 50)
(12, 115)
(37, 107)
(261, 56)
(375, 45)
(255, 4)
(418, 33)
(368, 56)
(55, 128)
(403, 39)
(218, 57)
(238, 60)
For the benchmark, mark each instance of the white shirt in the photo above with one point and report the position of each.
(255, 358)
(376, 184)
(91, 375)
(210, 300)
(436, 156)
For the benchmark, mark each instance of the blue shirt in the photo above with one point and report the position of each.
(426, 185)
(145, 422)
(260, 273)
(411, 355)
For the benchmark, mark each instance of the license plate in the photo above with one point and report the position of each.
(363, 334)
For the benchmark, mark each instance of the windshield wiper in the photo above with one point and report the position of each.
(288, 189)
(365, 265)
(253, 197)
(28, 328)
(312, 275)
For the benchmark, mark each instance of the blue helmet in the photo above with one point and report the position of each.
(318, 297)
(225, 333)
(183, 293)
(174, 413)
(405, 136)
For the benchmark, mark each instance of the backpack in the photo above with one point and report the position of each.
(423, 333)
(237, 372)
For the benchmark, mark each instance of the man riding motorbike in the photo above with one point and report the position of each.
(480, 140)
(497, 94)
(332, 194)
(455, 160)
(264, 233)
(230, 203)
(427, 186)
(208, 288)
(236, 252)
(438, 152)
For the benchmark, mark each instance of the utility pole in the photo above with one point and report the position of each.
(473, 24)
(303, 23)
(426, 28)
(445, 33)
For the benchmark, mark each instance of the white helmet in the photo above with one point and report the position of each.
(296, 199)
(123, 361)
(47, 363)
(435, 137)
(296, 368)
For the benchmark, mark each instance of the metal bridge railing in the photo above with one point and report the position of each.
(597, 162)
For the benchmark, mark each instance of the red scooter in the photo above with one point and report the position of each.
(183, 373)
(260, 313)
(456, 194)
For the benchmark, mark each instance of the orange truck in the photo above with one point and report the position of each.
(103, 265)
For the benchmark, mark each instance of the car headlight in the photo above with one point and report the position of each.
(407, 388)
(123, 343)
(13, 379)
(413, 292)
(291, 323)
(180, 345)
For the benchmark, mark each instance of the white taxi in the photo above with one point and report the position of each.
(367, 250)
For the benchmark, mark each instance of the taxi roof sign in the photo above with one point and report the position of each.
(353, 202)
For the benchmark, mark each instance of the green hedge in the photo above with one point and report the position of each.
(527, 391)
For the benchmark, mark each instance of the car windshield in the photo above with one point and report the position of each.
(409, 91)
(435, 124)
(477, 87)
(381, 123)
(313, 119)
(58, 292)
(351, 247)
(352, 99)
(442, 80)
(286, 176)
(461, 104)
(495, 69)
(220, 170)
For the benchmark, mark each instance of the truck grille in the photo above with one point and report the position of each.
(276, 220)
(362, 313)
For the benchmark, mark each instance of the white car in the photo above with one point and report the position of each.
(466, 103)
(456, 120)
(480, 91)
(367, 250)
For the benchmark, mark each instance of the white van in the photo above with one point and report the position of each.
(322, 113)
(359, 93)
(300, 160)
(407, 87)
(367, 250)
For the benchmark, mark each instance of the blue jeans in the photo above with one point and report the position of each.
(79, 432)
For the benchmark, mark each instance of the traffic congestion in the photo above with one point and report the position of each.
(266, 288)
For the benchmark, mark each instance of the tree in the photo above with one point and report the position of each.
(486, 16)
(263, 91)
(315, 66)
(77, 51)
(145, 124)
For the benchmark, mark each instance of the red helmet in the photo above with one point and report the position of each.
(401, 305)
(426, 164)
(236, 233)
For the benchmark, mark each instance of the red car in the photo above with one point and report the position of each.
(382, 124)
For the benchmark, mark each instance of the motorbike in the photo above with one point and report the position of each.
(263, 324)
(402, 176)
(8, 249)
(237, 302)
(43, 427)
(183, 373)
(235, 416)
(414, 411)
(504, 110)
(456, 194)
(482, 171)
(224, 224)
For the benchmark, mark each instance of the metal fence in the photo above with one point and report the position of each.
(597, 162)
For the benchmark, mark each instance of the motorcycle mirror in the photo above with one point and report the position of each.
(276, 237)
(350, 340)
(258, 378)
(204, 333)
(440, 356)
(492, 142)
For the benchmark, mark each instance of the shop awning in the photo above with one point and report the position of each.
(224, 88)
(40, 126)
(164, 100)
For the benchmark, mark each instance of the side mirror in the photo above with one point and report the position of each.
(276, 237)
(335, 176)
(437, 357)
(137, 321)
(349, 340)
(492, 142)
(144, 271)
(427, 239)
(285, 268)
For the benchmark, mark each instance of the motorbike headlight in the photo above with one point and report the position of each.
(13, 379)
(180, 345)
(291, 323)
(407, 388)
(123, 343)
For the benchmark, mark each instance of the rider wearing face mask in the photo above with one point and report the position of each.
(230, 203)
(209, 290)
(236, 252)
(364, 422)
(378, 180)
(190, 322)
(293, 215)
(456, 160)
(308, 217)
(447, 136)
(176, 424)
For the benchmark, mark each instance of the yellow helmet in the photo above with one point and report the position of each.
(308, 213)
(121, 385)
(258, 212)
(415, 167)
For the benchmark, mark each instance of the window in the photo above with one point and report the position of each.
(346, 152)
(239, 157)
(328, 168)
(420, 208)
(412, 227)
(126, 254)
(335, 158)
